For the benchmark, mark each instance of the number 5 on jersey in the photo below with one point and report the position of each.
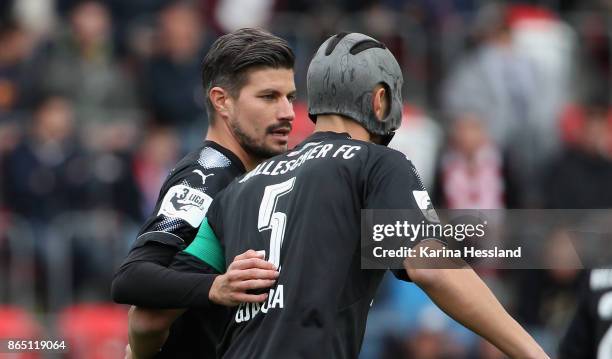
(269, 218)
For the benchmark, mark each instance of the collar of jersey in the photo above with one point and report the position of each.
(328, 134)
(229, 154)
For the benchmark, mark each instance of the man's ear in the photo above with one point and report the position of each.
(221, 100)
(380, 102)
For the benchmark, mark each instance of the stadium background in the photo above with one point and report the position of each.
(507, 105)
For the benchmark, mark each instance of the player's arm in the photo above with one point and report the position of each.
(149, 328)
(145, 280)
(460, 293)
(145, 266)
(395, 184)
(248, 271)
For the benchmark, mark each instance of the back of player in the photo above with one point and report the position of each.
(303, 209)
(590, 332)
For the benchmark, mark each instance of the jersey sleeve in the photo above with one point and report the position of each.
(182, 205)
(145, 279)
(394, 183)
(155, 275)
(205, 251)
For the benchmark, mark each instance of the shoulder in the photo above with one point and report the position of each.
(206, 169)
(194, 183)
(384, 156)
(386, 165)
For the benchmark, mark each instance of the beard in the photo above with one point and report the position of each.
(251, 145)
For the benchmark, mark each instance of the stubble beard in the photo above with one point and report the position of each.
(250, 145)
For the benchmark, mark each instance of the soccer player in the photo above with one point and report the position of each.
(303, 209)
(249, 86)
(589, 335)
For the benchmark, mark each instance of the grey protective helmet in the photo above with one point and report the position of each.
(342, 76)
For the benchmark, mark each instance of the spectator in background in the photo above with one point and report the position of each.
(232, 15)
(472, 173)
(49, 172)
(432, 338)
(129, 16)
(81, 66)
(17, 79)
(42, 174)
(581, 177)
(111, 184)
(171, 80)
(515, 87)
(380, 21)
(156, 156)
(493, 80)
(17, 72)
(37, 17)
(420, 139)
(595, 62)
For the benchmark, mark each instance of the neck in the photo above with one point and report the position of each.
(219, 132)
(337, 123)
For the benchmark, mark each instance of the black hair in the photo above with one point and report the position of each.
(232, 55)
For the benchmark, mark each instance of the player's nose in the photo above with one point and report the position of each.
(285, 110)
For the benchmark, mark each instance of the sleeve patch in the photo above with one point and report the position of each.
(207, 248)
(424, 202)
(186, 203)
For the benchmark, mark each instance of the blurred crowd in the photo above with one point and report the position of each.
(507, 105)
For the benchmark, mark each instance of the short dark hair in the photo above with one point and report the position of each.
(231, 56)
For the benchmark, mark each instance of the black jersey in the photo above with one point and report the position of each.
(187, 193)
(304, 209)
(183, 202)
(590, 332)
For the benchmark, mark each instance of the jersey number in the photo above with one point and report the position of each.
(604, 309)
(269, 218)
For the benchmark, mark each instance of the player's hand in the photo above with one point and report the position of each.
(249, 271)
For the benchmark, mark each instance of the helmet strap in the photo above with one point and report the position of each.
(385, 139)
